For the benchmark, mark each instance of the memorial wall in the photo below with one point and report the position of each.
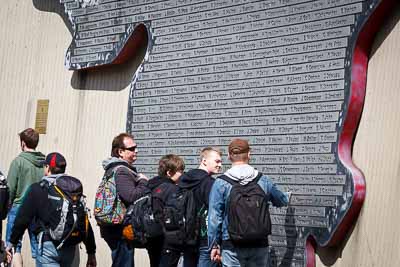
(275, 72)
(282, 74)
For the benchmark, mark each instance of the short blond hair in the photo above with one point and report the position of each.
(206, 151)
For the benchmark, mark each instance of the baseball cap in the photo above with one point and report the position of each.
(55, 159)
(238, 146)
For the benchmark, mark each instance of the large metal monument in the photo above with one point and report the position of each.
(288, 75)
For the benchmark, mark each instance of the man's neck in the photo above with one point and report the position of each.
(239, 163)
(201, 167)
(28, 149)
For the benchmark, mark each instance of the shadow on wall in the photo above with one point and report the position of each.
(105, 78)
(387, 27)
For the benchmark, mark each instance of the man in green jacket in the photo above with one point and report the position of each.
(25, 169)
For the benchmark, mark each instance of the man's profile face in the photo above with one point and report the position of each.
(129, 152)
(213, 162)
(176, 176)
(46, 169)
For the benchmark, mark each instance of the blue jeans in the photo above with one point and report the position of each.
(171, 257)
(10, 222)
(123, 255)
(204, 258)
(245, 257)
(49, 256)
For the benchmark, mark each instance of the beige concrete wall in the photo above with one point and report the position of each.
(82, 123)
(375, 239)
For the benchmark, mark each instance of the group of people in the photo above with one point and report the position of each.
(30, 207)
(226, 234)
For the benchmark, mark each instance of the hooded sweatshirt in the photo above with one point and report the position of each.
(35, 210)
(242, 173)
(200, 182)
(25, 170)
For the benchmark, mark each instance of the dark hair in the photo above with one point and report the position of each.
(170, 163)
(57, 170)
(118, 143)
(30, 138)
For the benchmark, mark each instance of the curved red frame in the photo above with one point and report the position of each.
(357, 94)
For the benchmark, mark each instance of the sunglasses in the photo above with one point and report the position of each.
(132, 148)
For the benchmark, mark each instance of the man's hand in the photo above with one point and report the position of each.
(10, 253)
(215, 255)
(289, 196)
(91, 261)
(142, 176)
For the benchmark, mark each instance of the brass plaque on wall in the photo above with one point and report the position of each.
(42, 112)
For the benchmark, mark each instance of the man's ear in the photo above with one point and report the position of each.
(120, 152)
(23, 145)
(170, 174)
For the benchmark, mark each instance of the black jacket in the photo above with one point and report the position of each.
(200, 182)
(161, 188)
(35, 208)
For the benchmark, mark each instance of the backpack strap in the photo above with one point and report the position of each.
(110, 172)
(227, 179)
(233, 182)
(258, 177)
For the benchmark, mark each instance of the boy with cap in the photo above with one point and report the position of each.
(25, 169)
(255, 252)
(35, 208)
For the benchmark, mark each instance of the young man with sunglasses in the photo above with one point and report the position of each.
(130, 186)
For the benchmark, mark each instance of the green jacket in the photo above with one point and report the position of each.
(25, 170)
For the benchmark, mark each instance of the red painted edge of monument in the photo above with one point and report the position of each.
(134, 42)
(357, 94)
(310, 252)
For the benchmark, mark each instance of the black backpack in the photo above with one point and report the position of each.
(68, 221)
(4, 197)
(249, 222)
(144, 223)
(181, 221)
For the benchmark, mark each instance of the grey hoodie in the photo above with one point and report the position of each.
(242, 173)
(51, 178)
